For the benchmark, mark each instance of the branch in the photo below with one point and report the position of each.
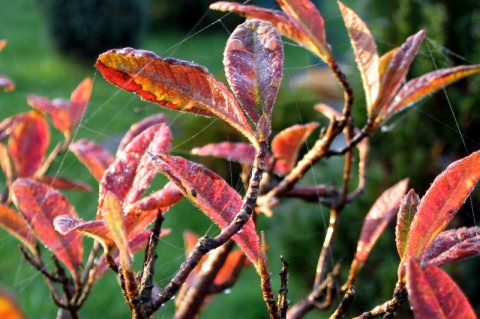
(206, 244)
(389, 307)
(345, 304)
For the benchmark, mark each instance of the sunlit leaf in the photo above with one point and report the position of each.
(377, 219)
(16, 225)
(65, 114)
(442, 200)
(453, 245)
(28, 144)
(426, 84)
(408, 208)
(233, 151)
(64, 183)
(93, 156)
(212, 195)
(9, 308)
(253, 61)
(396, 72)
(434, 295)
(115, 221)
(384, 62)
(286, 146)
(173, 84)
(96, 229)
(139, 127)
(133, 170)
(39, 204)
(301, 22)
(7, 165)
(365, 50)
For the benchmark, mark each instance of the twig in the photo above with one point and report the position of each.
(283, 302)
(389, 307)
(206, 244)
(327, 248)
(148, 271)
(265, 281)
(345, 304)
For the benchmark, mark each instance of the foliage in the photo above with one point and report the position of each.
(34, 210)
(87, 28)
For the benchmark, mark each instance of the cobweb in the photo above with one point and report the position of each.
(101, 124)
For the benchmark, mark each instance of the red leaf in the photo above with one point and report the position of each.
(115, 221)
(233, 151)
(442, 200)
(97, 229)
(434, 295)
(93, 156)
(286, 145)
(396, 71)
(301, 23)
(63, 183)
(426, 84)
(39, 204)
(212, 195)
(160, 199)
(253, 61)
(375, 223)
(133, 170)
(16, 226)
(139, 127)
(408, 208)
(173, 84)
(28, 144)
(9, 308)
(453, 245)
(366, 53)
(65, 114)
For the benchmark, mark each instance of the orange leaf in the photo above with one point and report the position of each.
(9, 309)
(396, 71)
(366, 53)
(253, 61)
(212, 195)
(28, 143)
(286, 146)
(434, 295)
(93, 156)
(115, 221)
(16, 226)
(173, 84)
(382, 211)
(39, 204)
(426, 84)
(442, 200)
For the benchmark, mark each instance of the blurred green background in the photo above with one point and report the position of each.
(418, 144)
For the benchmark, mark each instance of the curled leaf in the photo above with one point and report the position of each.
(173, 84)
(39, 205)
(433, 294)
(93, 156)
(286, 146)
(366, 54)
(453, 245)
(28, 144)
(444, 197)
(139, 127)
(212, 195)
(7, 125)
(253, 61)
